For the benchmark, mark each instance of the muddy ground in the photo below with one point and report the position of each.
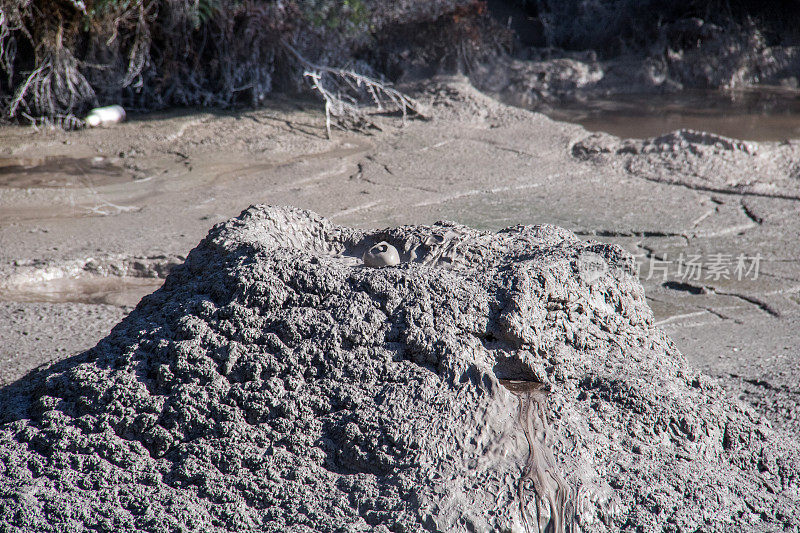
(92, 220)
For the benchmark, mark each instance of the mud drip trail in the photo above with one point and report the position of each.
(554, 510)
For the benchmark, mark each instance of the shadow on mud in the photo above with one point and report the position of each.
(58, 172)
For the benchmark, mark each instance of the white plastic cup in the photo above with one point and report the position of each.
(105, 116)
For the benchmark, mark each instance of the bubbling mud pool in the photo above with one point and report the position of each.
(757, 115)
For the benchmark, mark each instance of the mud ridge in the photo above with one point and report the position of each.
(700, 161)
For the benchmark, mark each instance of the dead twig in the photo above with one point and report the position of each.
(343, 89)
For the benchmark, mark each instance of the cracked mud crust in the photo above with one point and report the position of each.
(276, 384)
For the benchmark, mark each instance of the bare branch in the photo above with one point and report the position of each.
(342, 89)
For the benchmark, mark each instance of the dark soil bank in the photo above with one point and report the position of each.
(491, 381)
(58, 58)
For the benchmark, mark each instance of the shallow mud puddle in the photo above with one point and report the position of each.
(123, 291)
(761, 115)
(58, 171)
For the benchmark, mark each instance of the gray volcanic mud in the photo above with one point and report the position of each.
(703, 161)
(508, 381)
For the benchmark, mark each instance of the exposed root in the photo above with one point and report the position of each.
(62, 122)
(343, 90)
(60, 57)
(55, 86)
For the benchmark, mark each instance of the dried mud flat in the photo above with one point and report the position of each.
(476, 162)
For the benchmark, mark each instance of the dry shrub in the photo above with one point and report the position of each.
(60, 57)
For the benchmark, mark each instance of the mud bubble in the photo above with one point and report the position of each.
(381, 255)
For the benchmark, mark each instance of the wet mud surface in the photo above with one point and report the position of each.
(59, 172)
(751, 116)
(702, 161)
(546, 500)
(120, 291)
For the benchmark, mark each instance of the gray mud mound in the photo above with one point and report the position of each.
(490, 382)
(703, 161)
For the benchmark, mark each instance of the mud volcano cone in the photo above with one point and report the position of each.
(508, 381)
